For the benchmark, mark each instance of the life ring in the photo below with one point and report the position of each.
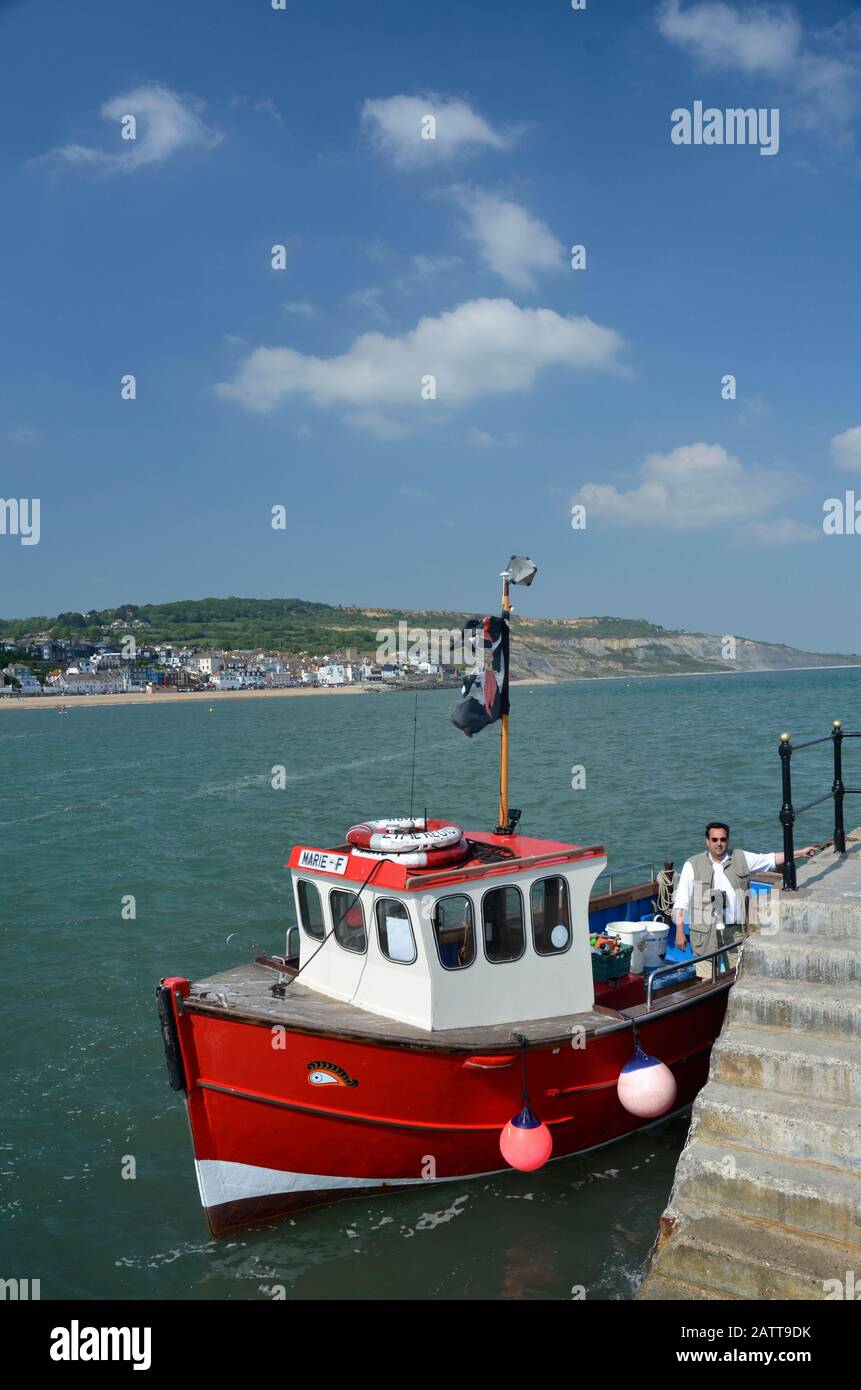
(421, 858)
(404, 835)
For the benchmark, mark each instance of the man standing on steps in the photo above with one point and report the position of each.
(715, 885)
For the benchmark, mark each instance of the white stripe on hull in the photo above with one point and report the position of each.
(221, 1182)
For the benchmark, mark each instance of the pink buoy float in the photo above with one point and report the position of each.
(526, 1143)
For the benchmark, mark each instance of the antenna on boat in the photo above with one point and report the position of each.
(519, 570)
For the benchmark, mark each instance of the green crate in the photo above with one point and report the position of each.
(606, 968)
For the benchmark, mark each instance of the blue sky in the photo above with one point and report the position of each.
(301, 387)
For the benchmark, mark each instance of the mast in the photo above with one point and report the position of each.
(503, 723)
(520, 570)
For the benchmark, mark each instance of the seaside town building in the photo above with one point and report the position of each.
(118, 664)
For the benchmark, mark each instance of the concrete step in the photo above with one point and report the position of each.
(813, 957)
(654, 1289)
(828, 1010)
(806, 1197)
(787, 1126)
(776, 1060)
(838, 918)
(748, 1259)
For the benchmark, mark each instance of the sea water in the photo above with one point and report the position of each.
(137, 838)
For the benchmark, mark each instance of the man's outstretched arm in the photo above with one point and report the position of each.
(806, 853)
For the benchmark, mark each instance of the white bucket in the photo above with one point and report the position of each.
(656, 944)
(630, 935)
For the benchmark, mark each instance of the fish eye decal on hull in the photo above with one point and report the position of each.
(328, 1074)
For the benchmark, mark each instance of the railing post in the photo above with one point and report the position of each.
(838, 790)
(787, 815)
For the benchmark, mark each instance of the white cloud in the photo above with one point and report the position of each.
(414, 492)
(381, 426)
(693, 486)
(423, 268)
(753, 409)
(394, 124)
(369, 299)
(846, 449)
(264, 105)
(481, 348)
(818, 69)
(377, 250)
(781, 530)
(300, 307)
(758, 39)
(510, 240)
(483, 439)
(166, 123)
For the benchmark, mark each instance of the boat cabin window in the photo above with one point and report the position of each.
(502, 919)
(311, 909)
(394, 932)
(454, 931)
(348, 919)
(551, 919)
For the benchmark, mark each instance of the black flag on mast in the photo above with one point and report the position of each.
(485, 690)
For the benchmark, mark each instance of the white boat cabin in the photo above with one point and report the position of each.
(502, 937)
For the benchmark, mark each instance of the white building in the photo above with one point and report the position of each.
(208, 663)
(92, 683)
(333, 673)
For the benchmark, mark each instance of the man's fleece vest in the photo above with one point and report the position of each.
(711, 900)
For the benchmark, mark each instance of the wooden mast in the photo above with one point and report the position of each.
(503, 733)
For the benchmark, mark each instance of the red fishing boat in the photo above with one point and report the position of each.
(440, 1019)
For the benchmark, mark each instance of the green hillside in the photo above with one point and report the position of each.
(289, 624)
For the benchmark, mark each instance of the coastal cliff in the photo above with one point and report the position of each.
(586, 647)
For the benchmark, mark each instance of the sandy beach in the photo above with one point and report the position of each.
(52, 702)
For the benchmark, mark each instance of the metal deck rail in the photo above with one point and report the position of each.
(789, 813)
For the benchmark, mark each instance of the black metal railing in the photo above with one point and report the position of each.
(789, 813)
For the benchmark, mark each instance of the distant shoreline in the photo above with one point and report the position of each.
(51, 702)
(169, 697)
(685, 675)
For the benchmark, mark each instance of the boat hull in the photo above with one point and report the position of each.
(283, 1120)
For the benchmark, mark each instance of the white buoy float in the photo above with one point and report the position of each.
(646, 1086)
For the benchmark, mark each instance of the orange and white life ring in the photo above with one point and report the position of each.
(402, 836)
(421, 858)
